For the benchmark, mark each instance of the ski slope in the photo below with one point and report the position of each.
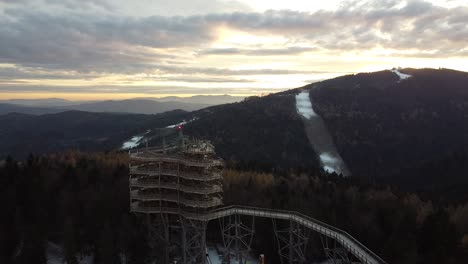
(319, 137)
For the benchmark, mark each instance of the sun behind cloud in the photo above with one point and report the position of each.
(120, 49)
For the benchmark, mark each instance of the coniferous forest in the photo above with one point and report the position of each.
(119, 117)
(79, 201)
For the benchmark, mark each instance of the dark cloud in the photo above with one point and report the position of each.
(154, 73)
(257, 51)
(66, 4)
(75, 41)
(230, 72)
(8, 73)
(86, 38)
(14, 1)
(203, 79)
(37, 37)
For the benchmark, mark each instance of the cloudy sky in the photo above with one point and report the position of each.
(102, 49)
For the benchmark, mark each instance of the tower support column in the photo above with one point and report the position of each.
(193, 241)
(158, 235)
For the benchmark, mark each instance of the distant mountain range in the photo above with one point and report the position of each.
(48, 102)
(21, 134)
(199, 99)
(136, 105)
(6, 108)
(387, 124)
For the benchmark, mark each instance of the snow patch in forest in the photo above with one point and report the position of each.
(178, 124)
(215, 257)
(182, 123)
(304, 105)
(320, 139)
(132, 143)
(330, 162)
(55, 255)
(402, 76)
(135, 141)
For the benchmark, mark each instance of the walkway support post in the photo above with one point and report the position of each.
(335, 253)
(237, 237)
(292, 242)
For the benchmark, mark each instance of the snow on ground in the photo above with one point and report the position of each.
(401, 75)
(132, 143)
(135, 141)
(182, 123)
(304, 105)
(330, 162)
(55, 255)
(215, 257)
(319, 136)
(178, 124)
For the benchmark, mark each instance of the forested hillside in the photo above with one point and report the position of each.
(22, 134)
(265, 130)
(382, 124)
(390, 129)
(80, 202)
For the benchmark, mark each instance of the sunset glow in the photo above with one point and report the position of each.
(106, 49)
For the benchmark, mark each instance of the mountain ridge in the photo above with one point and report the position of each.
(142, 105)
(379, 122)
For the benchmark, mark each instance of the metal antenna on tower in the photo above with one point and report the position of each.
(181, 136)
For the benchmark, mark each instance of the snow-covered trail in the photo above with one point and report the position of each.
(132, 143)
(319, 137)
(184, 122)
(135, 141)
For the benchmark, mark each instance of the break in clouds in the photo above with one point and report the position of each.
(94, 39)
